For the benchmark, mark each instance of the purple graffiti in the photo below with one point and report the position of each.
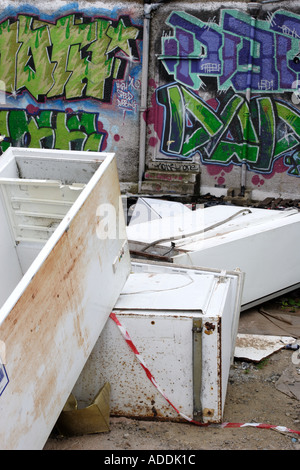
(189, 46)
(240, 52)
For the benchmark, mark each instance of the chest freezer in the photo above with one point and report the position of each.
(183, 322)
(229, 237)
(60, 278)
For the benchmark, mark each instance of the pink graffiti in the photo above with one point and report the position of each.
(153, 141)
(31, 109)
(221, 180)
(257, 180)
(152, 83)
(278, 167)
(100, 128)
(213, 103)
(217, 169)
(155, 115)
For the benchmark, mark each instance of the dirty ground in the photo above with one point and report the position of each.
(265, 392)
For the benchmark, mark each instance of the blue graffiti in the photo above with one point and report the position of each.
(240, 52)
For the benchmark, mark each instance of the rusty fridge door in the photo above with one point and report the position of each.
(61, 273)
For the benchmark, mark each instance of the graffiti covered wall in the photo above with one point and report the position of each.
(70, 77)
(226, 93)
(223, 88)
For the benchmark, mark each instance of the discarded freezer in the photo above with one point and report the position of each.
(183, 322)
(258, 241)
(61, 274)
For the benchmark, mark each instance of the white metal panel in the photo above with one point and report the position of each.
(12, 272)
(184, 290)
(253, 240)
(147, 209)
(27, 252)
(8, 256)
(255, 348)
(166, 227)
(164, 338)
(52, 319)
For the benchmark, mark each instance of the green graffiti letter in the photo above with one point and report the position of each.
(65, 34)
(34, 69)
(8, 48)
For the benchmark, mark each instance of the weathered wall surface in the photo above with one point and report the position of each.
(71, 76)
(224, 95)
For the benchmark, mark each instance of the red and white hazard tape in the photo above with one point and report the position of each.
(152, 379)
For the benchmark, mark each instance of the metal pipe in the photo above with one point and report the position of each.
(144, 92)
(270, 1)
(254, 9)
(148, 8)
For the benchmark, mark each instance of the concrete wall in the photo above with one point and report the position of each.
(222, 96)
(71, 73)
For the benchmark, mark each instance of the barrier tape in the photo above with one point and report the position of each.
(148, 373)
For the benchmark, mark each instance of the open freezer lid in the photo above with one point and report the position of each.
(170, 288)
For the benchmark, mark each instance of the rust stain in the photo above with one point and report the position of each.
(148, 416)
(208, 412)
(40, 310)
(209, 328)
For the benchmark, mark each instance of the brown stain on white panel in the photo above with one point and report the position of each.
(47, 323)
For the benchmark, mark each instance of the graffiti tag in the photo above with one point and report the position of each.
(240, 52)
(230, 132)
(51, 129)
(76, 57)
